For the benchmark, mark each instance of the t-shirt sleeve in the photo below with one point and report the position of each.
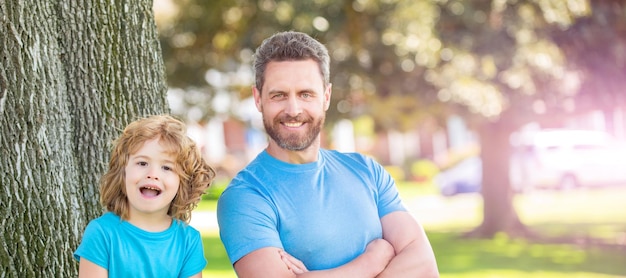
(194, 258)
(94, 245)
(388, 196)
(247, 222)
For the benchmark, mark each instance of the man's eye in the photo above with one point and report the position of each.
(277, 96)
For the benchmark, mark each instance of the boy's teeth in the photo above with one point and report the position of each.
(150, 191)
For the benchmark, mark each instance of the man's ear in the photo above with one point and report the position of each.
(257, 98)
(327, 95)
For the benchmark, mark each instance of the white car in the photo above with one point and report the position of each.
(565, 158)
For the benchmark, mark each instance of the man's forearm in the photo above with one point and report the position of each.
(359, 267)
(377, 255)
(414, 260)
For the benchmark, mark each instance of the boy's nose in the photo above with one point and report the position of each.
(153, 173)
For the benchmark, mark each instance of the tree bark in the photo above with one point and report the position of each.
(72, 74)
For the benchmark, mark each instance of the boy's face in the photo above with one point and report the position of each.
(151, 181)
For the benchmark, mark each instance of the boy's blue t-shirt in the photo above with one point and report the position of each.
(323, 213)
(128, 251)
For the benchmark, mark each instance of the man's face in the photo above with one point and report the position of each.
(293, 103)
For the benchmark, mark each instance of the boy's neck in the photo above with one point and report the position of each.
(151, 223)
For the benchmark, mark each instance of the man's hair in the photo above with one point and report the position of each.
(290, 46)
(195, 174)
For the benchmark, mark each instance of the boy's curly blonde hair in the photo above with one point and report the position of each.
(195, 174)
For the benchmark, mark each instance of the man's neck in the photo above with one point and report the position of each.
(307, 155)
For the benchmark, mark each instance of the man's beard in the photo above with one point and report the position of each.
(293, 141)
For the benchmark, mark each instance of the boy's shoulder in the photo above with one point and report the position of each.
(106, 220)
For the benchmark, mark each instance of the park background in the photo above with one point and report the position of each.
(418, 85)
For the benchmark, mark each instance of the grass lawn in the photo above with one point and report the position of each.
(599, 214)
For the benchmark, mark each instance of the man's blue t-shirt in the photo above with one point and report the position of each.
(324, 213)
(128, 251)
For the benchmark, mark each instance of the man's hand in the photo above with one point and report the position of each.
(379, 253)
(414, 255)
(293, 264)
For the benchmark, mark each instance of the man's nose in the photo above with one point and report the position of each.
(294, 107)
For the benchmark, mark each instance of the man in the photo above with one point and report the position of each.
(299, 210)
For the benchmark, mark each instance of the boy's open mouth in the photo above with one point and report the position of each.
(149, 191)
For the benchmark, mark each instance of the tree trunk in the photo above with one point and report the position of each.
(73, 73)
(499, 214)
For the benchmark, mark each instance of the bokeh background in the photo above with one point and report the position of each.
(502, 121)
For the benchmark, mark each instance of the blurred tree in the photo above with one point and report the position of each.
(513, 62)
(595, 46)
(72, 75)
(208, 47)
(509, 63)
(500, 64)
(496, 63)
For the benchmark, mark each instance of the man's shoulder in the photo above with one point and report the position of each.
(349, 156)
(245, 183)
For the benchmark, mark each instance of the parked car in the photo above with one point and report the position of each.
(464, 177)
(566, 158)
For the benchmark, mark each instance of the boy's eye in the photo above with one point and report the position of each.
(142, 163)
(167, 168)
